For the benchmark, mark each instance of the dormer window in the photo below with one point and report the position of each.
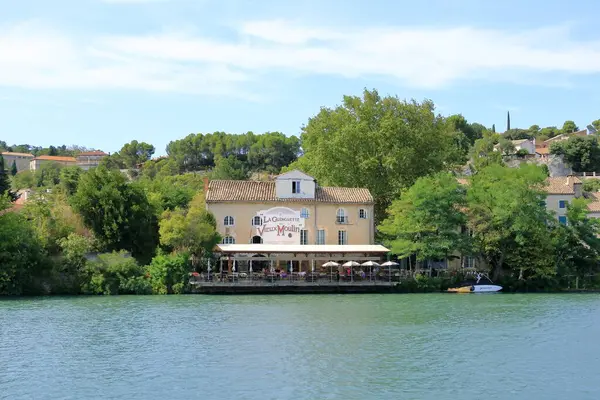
(296, 187)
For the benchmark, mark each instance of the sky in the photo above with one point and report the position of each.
(100, 73)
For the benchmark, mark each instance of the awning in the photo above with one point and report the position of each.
(301, 248)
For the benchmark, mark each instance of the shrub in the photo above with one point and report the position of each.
(169, 273)
(115, 273)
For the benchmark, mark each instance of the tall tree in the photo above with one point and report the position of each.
(508, 120)
(493, 128)
(426, 219)
(506, 209)
(582, 153)
(13, 168)
(569, 126)
(117, 212)
(382, 143)
(596, 124)
(5, 187)
(135, 153)
(484, 152)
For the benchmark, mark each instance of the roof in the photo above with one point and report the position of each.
(594, 205)
(582, 132)
(557, 137)
(301, 248)
(10, 153)
(56, 158)
(92, 153)
(519, 141)
(562, 184)
(542, 150)
(235, 191)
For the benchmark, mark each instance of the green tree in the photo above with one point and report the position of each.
(135, 153)
(13, 168)
(117, 212)
(426, 220)
(550, 131)
(458, 123)
(569, 126)
(534, 129)
(508, 121)
(229, 168)
(596, 124)
(192, 231)
(24, 180)
(506, 208)
(582, 153)
(381, 143)
(518, 134)
(22, 258)
(591, 185)
(506, 147)
(484, 152)
(48, 175)
(115, 273)
(69, 179)
(169, 273)
(5, 186)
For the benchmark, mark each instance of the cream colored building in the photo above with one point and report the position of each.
(37, 162)
(20, 159)
(90, 159)
(292, 210)
(561, 192)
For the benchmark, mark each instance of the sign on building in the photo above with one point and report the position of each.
(279, 225)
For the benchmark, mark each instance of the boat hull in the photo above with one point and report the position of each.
(476, 289)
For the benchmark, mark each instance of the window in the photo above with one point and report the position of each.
(228, 240)
(562, 219)
(256, 240)
(341, 217)
(228, 221)
(362, 213)
(257, 221)
(304, 213)
(295, 187)
(321, 236)
(562, 204)
(303, 236)
(342, 237)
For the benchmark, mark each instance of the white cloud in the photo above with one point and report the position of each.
(38, 57)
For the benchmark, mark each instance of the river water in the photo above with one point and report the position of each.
(430, 346)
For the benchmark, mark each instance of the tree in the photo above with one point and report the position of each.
(550, 131)
(484, 152)
(591, 185)
(229, 168)
(505, 210)
(458, 123)
(582, 153)
(117, 212)
(13, 168)
(506, 147)
(69, 179)
(569, 126)
(381, 143)
(135, 153)
(22, 258)
(596, 124)
(169, 273)
(24, 180)
(426, 220)
(193, 230)
(493, 128)
(48, 175)
(272, 151)
(517, 134)
(5, 187)
(508, 120)
(534, 129)
(115, 273)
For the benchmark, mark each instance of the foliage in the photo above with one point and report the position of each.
(171, 192)
(517, 134)
(117, 212)
(382, 143)
(596, 124)
(229, 168)
(5, 186)
(24, 180)
(48, 175)
(591, 185)
(115, 273)
(52, 219)
(522, 153)
(506, 212)
(192, 230)
(13, 168)
(169, 273)
(569, 126)
(22, 258)
(426, 220)
(484, 153)
(582, 153)
(135, 153)
(69, 179)
(506, 147)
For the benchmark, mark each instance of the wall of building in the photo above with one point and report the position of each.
(36, 164)
(320, 216)
(22, 162)
(528, 145)
(553, 200)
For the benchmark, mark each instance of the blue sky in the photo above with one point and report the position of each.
(100, 73)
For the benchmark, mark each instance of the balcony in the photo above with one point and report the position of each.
(342, 220)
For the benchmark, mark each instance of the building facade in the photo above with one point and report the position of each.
(90, 159)
(37, 162)
(21, 160)
(291, 210)
(561, 192)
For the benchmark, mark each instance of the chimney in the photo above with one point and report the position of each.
(205, 180)
(568, 180)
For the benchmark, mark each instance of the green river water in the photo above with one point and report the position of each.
(429, 346)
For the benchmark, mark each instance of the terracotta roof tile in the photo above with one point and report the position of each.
(562, 184)
(542, 150)
(594, 204)
(56, 158)
(10, 153)
(240, 191)
(92, 153)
